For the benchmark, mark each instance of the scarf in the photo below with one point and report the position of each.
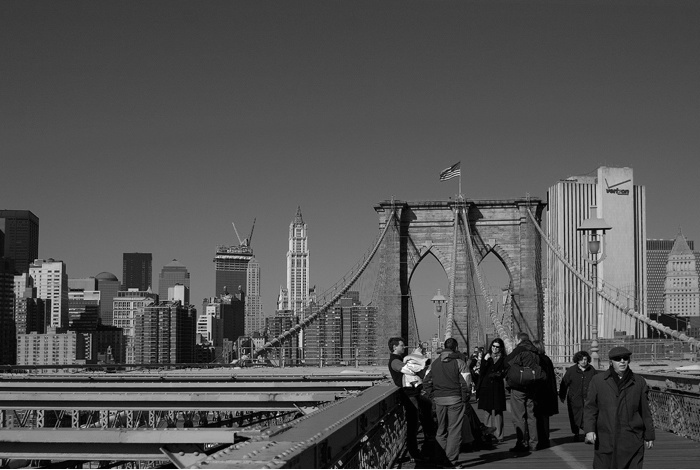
(621, 381)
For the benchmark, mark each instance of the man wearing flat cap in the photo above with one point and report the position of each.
(617, 418)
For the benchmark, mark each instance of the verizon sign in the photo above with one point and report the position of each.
(614, 188)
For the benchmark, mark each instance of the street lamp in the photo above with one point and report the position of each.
(595, 244)
(438, 301)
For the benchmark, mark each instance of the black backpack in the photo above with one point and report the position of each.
(520, 375)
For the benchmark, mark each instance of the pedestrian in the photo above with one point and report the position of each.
(617, 418)
(522, 396)
(573, 389)
(448, 384)
(491, 391)
(546, 397)
(416, 406)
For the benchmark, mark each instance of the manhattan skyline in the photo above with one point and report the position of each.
(150, 127)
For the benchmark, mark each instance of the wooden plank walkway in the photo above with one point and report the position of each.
(669, 451)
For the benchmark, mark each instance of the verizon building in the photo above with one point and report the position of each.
(569, 311)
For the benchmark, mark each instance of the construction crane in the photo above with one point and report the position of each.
(247, 241)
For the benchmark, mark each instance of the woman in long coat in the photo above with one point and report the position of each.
(545, 397)
(573, 388)
(490, 391)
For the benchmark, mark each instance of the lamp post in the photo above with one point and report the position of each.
(438, 301)
(595, 245)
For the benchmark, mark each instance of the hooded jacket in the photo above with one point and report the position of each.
(448, 377)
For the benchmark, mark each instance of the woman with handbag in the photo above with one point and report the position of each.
(490, 390)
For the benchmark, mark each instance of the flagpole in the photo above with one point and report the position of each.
(460, 184)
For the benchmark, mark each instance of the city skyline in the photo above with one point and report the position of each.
(151, 127)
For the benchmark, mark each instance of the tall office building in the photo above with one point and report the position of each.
(137, 271)
(681, 289)
(237, 271)
(657, 258)
(254, 319)
(21, 238)
(51, 282)
(569, 313)
(7, 322)
(31, 313)
(126, 305)
(172, 274)
(298, 266)
(108, 285)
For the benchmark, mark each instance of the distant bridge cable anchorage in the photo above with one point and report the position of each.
(608, 298)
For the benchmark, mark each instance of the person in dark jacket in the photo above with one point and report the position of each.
(573, 389)
(448, 383)
(522, 398)
(617, 418)
(490, 391)
(416, 406)
(546, 397)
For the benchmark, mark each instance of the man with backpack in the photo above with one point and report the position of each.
(523, 375)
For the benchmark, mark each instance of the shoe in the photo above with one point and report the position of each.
(577, 438)
(487, 431)
(519, 449)
(542, 446)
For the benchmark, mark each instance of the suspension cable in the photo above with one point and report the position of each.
(616, 303)
(300, 326)
(502, 333)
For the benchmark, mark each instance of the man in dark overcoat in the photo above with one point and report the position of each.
(617, 418)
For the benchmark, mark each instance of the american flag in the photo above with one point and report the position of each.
(450, 172)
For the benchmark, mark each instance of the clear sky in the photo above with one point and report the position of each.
(150, 126)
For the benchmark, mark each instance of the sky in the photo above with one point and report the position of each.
(150, 126)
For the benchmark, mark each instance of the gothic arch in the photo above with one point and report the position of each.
(499, 226)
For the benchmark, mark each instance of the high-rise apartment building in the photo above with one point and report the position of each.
(657, 258)
(569, 313)
(289, 350)
(172, 274)
(31, 313)
(126, 305)
(681, 289)
(345, 334)
(298, 265)
(137, 271)
(108, 285)
(51, 282)
(56, 347)
(21, 237)
(165, 334)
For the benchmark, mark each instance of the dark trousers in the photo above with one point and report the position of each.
(418, 410)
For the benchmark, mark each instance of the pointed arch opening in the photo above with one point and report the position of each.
(427, 277)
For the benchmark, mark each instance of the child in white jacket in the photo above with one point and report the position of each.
(415, 367)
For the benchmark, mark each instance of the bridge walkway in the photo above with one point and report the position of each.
(669, 451)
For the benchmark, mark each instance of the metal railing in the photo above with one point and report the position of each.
(676, 411)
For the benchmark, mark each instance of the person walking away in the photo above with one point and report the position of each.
(416, 406)
(573, 389)
(522, 397)
(490, 391)
(546, 402)
(448, 384)
(617, 418)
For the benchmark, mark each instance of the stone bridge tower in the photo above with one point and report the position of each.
(499, 226)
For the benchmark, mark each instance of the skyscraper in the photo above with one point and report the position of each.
(298, 266)
(657, 258)
(137, 271)
(126, 305)
(108, 285)
(173, 273)
(681, 289)
(21, 237)
(51, 282)
(164, 333)
(8, 337)
(569, 312)
(254, 320)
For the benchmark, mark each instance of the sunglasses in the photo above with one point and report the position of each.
(620, 359)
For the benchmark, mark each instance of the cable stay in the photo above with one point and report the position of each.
(502, 332)
(608, 298)
(337, 291)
